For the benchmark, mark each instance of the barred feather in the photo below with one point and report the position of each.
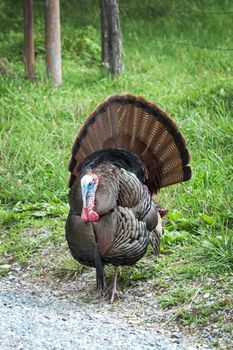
(134, 124)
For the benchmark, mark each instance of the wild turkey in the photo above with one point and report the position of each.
(125, 152)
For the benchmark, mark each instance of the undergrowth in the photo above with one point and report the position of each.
(193, 84)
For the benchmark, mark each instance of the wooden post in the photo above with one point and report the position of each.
(53, 40)
(116, 40)
(29, 54)
(111, 36)
(106, 55)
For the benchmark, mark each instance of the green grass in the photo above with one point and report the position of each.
(193, 84)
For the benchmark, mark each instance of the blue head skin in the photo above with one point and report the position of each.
(87, 186)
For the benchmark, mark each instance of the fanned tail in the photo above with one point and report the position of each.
(138, 126)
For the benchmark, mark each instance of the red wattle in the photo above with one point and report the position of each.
(93, 216)
(84, 215)
(89, 215)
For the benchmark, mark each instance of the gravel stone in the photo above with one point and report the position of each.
(32, 317)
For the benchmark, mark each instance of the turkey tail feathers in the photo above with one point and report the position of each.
(138, 126)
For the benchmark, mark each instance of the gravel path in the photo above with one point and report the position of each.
(32, 317)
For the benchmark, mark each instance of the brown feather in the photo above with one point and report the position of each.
(139, 126)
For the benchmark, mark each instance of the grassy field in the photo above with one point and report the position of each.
(173, 54)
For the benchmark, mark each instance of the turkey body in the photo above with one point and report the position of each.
(126, 151)
(128, 216)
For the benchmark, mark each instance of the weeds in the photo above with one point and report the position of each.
(67, 267)
(219, 249)
(202, 314)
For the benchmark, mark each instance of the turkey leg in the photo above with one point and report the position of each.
(114, 290)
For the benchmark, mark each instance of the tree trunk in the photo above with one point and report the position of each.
(29, 55)
(111, 36)
(105, 35)
(53, 40)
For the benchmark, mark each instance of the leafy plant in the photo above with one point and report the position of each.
(219, 249)
(177, 222)
(82, 44)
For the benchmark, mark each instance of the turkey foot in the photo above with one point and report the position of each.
(114, 289)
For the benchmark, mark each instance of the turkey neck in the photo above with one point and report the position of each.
(106, 194)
